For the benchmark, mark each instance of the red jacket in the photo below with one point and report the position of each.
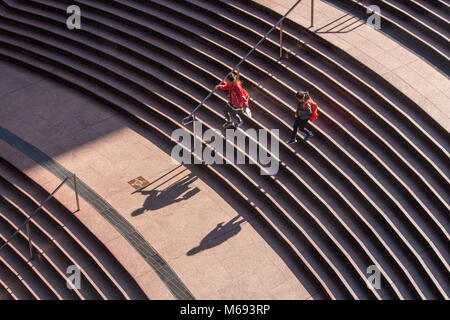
(237, 93)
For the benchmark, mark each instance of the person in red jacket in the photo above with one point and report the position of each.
(302, 116)
(238, 100)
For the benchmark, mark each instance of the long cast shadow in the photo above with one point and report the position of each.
(176, 192)
(218, 235)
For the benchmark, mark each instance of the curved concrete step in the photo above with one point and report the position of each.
(52, 248)
(444, 180)
(29, 274)
(5, 292)
(163, 124)
(95, 252)
(56, 279)
(14, 284)
(148, 75)
(336, 62)
(424, 15)
(437, 7)
(404, 14)
(368, 98)
(404, 32)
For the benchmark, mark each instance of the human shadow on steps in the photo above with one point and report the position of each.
(218, 235)
(176, 192)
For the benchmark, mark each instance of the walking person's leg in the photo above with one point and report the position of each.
(227, 112)
(237, 112)
(232, 113)
(308, 133)
(294, 131)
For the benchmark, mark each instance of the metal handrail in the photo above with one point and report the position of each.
(189, 117)
(27, 221)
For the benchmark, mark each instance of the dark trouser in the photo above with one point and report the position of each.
(231, 111)
(300, 124)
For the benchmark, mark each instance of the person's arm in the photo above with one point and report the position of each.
(242, 95)
(244, 100)
(225, 86)
(308, 108)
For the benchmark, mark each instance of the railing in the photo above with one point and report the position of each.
(27, 221)
(190, 118)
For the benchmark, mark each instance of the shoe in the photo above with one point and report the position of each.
(309, 135)
(291, 141)
(238, 124)
(229, 125)
(226, 124)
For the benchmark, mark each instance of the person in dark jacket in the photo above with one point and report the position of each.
(302, 115)
(237, 100)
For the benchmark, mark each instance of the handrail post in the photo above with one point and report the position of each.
(75, 186)
(30, 243)
(312, 13)
(281, 39)
(194, 127)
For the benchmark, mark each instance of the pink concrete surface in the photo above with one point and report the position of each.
(407, 71)
(174, 213)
